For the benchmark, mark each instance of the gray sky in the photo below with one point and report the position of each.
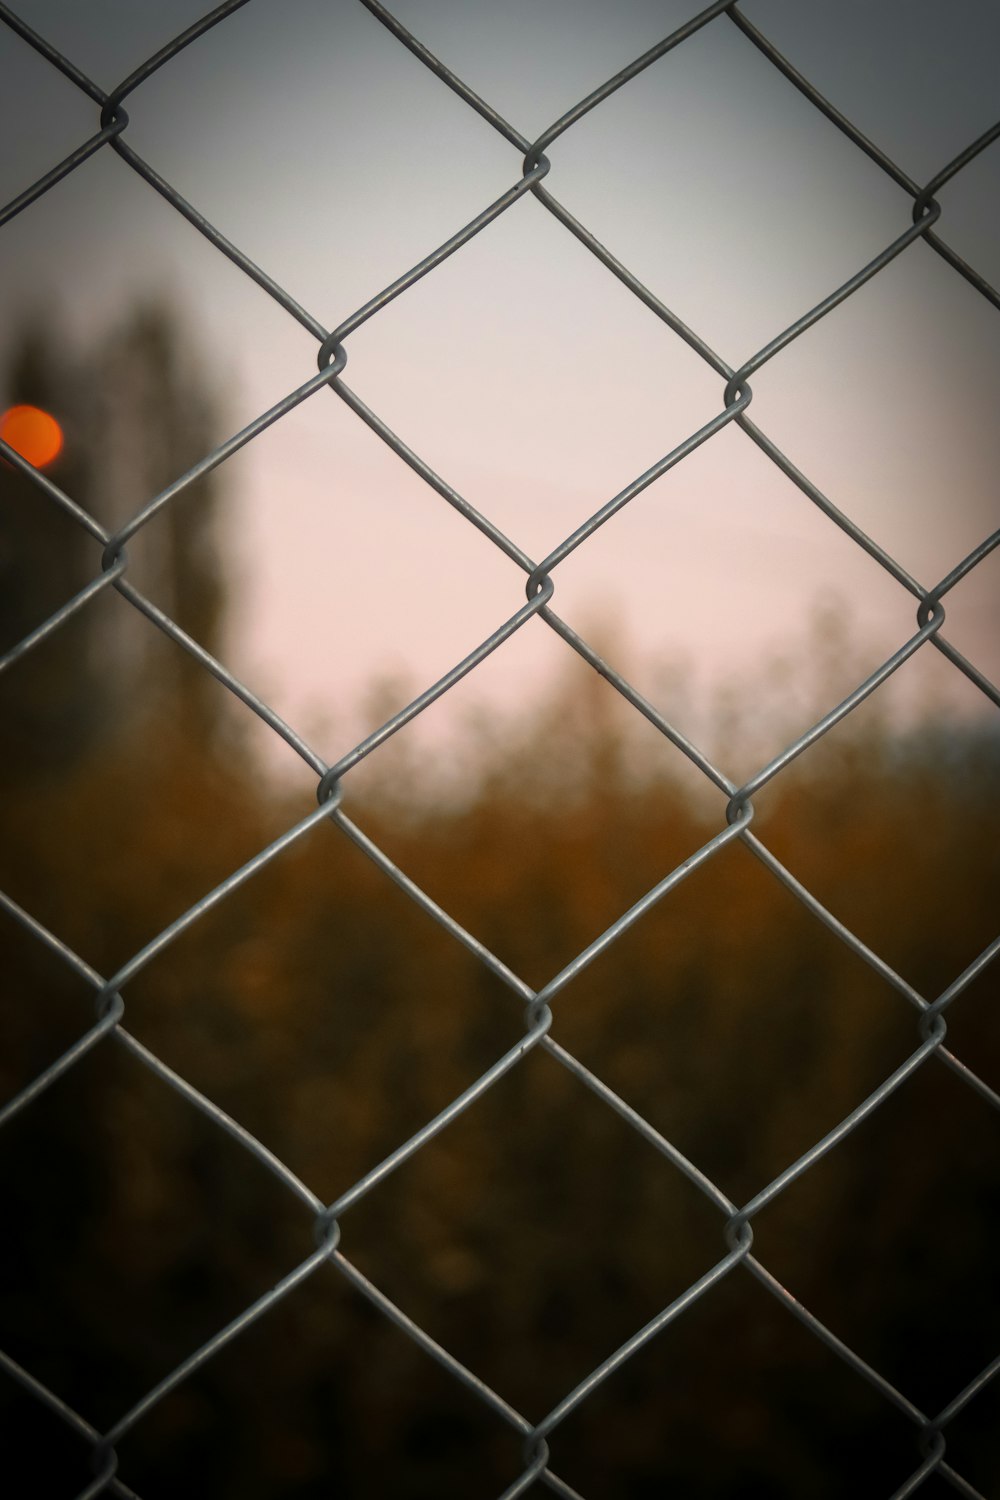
(520, 369)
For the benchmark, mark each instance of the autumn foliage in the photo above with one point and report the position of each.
(320, 1008)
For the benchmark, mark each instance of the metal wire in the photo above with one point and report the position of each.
(735, 1221)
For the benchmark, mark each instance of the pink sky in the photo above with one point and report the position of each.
(520, 369)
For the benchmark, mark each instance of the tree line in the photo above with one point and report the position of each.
(322, 1009)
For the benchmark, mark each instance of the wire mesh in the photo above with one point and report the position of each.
(736, 1220)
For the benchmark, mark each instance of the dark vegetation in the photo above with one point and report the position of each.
(321, 1009)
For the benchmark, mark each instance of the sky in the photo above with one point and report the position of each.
(520, 369)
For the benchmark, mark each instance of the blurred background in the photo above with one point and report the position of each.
(317, 1005)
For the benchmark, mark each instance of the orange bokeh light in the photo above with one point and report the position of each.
(32, 433)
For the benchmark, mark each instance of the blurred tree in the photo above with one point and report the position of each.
(88, 739)
(138, 411)
(157, 416)
(48, 714)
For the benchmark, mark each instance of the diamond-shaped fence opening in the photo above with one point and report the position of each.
(603, 1129)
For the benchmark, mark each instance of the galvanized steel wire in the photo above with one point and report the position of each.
(327, 1221)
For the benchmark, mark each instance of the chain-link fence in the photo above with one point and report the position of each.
(331, 1221)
